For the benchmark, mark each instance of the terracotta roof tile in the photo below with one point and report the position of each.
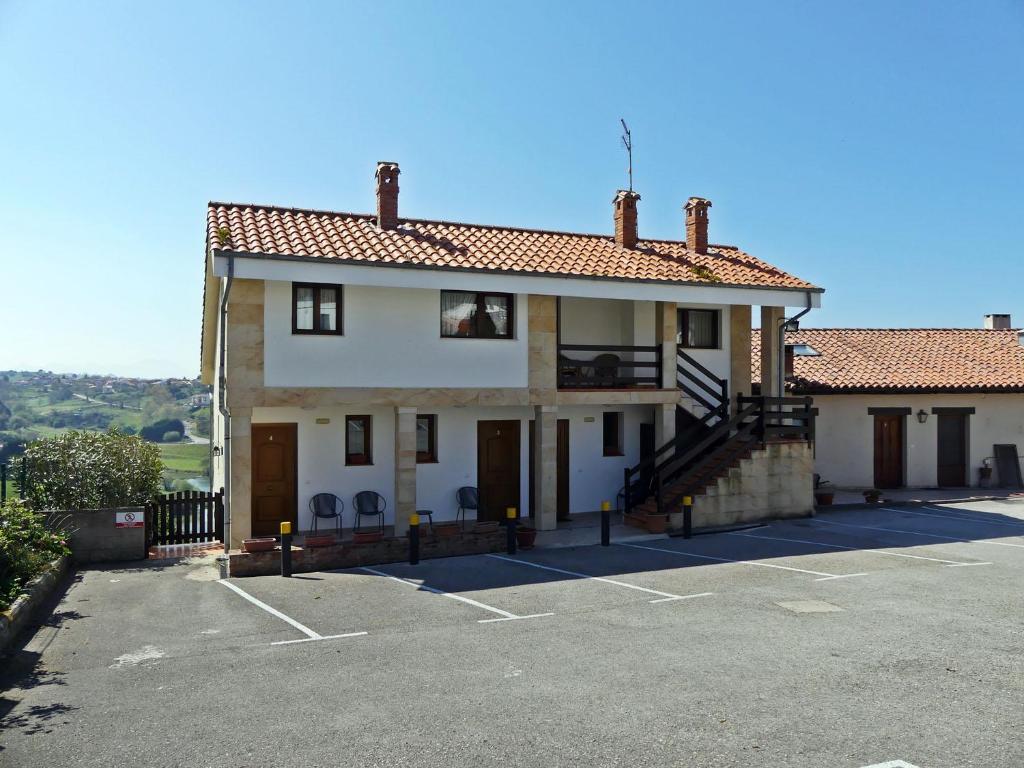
(355, 237)
(903, 360)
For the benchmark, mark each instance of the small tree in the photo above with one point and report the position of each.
(171, 437)
(89, 470)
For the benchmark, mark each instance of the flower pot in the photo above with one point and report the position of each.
(259, 545)
(446, 530)
(320, 540)
(526, 535)
(824, 499)
(657, 523)
(367, 537)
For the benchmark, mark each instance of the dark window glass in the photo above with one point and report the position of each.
(476, 315)
(316, 308)
(612, 433)
(426, 439)
(698, 328)
(358, 440)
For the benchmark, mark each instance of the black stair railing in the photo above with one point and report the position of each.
(702, 385)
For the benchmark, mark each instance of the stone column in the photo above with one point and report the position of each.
(771, 318)
(664, 423)
(405, 467)
(542, 343)
(240, 503)
(739, 352)
(665, 336)
(545, 456)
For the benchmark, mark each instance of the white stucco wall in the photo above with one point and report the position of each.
(391, 338)
(844, 451)
(321, 462)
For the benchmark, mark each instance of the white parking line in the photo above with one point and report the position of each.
(505, 615)
(824, 576)
(947, 563)
(665, 596)
(892, 764)
(310, 634)
(954, 514)
(919, 533)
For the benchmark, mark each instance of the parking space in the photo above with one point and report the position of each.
(784, 637)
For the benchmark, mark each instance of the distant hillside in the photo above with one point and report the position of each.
(173, 412)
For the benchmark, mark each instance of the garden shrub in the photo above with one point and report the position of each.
(91, 470)
(27, 546)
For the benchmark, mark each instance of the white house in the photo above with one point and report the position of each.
(913, 407)
(354, 352)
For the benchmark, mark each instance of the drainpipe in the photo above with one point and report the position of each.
(781, 373)
(222, 405)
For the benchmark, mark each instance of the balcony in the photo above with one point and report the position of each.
(605, 366)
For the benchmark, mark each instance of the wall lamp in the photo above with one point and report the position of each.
(922, 416)
(216, 451)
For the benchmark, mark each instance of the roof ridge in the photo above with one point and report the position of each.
(507, 227)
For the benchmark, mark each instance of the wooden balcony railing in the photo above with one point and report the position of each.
(603, 366)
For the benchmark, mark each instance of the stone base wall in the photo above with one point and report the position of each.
(777, 481)
(349, 555)
(94, 539)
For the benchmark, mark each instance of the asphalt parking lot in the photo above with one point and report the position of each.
(855, 638)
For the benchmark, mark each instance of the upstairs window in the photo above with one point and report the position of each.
(426, 439)
(358, 440)
(316, 308)
(476, 315)
(698, 328)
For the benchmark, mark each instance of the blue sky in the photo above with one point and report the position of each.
(873, 148)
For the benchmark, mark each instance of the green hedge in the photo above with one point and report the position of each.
(90, 470)
(27, 546)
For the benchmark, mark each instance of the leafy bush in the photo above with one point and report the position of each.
(90, 470)
(27, 546)
(156, 431)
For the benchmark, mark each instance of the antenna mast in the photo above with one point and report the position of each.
(627, 142)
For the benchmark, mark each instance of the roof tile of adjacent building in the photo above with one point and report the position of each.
(356, 238)
(898, 360)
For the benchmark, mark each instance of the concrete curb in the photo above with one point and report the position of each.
(914, 503)
(24, 608)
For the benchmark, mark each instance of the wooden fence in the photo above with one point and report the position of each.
(185, 517)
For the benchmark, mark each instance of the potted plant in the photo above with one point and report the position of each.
(824, 493)
(526, 536)
(872, 496)
(262, 544)
(319, 540)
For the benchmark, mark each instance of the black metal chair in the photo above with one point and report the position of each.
(369, 504)
(467, 498)
(606, 368)
(326, 506)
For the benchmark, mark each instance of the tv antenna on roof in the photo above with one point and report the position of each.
(627, 142)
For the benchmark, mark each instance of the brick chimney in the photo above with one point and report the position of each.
(696, 209)
(997, 322)
(624, 209)
(387, 195)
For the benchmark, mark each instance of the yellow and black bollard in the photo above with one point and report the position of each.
(606, 523)
(286, 549)
(687, 516)
(414, 539)
(510, 525)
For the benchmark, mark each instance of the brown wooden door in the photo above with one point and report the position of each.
(952, 450)
(273, 478)
(497, 468)
(888, 451)
(563, 469)
(562, 451)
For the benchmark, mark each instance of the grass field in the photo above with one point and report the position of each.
(185, 457)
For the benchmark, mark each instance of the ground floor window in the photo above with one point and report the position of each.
(613, 433)
(358, 440)
(426, 439)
